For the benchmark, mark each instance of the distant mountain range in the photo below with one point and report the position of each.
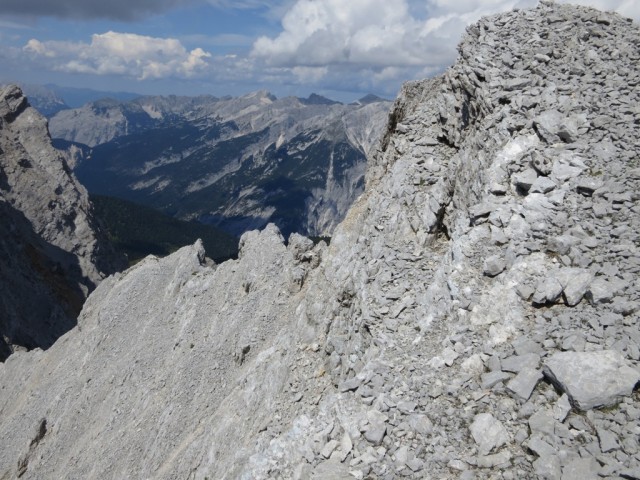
(234, 162)
(50, 99)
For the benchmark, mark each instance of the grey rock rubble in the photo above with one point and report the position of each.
(52, 251)
(394, 352)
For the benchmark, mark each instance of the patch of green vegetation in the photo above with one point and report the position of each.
(322, 238)
(610, 408)
(138, 231)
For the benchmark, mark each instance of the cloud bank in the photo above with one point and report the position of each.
(359, 45)
(381, 42)
(125, 54)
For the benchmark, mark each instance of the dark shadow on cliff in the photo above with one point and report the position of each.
(39, 299)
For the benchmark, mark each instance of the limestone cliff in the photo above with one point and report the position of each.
(53, 253)
(473, 313)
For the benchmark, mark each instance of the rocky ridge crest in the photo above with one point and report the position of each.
(492, 261)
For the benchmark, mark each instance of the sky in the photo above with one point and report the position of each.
(342, 49)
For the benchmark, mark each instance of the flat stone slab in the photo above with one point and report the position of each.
(592, 379)
(524, 382)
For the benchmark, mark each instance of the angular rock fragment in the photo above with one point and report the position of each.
(524, 180)
(541, 163)
(524, 382)
(608, 440)
(488, 432)
(491, 379)
(547, 291)
(494, 265)
(517, 363)
(542, 185)
(547, 468)
(375, 433)
(592, 379)
(575, 283)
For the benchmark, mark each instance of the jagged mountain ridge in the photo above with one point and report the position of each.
(495, 245)
(54, 251)
(237, 163)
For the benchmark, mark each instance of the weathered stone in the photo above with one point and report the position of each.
(488, 433)
(449, 356)
(580, 469)
(524, 382)
(608, 440)
(542, 185)
(421, 424)
(561, 244)
(548, 467)
(547, 290)
(542, 422)
(525, 180)
(497, 460)
(575, 283)
(350, 384)
(375, 433)
(600, 291)
(494, 265)
(517, 363)
(328, 449)
(592, 379)
(539, 445)
(562, 408)
(491, 379)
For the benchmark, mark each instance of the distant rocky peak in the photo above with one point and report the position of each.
(262, 95)
(315, 99)
(370, 98)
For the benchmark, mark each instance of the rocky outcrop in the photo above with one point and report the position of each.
(491, 261)
(53, 251)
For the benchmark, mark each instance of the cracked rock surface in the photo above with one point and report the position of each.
(492, 259)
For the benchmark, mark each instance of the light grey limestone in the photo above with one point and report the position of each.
(524, 382)
(401, 282)
(488, 432)
(592, 379)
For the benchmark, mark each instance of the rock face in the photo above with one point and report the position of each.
(458, 277)
(53, 253)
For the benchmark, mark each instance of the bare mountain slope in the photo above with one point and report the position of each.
(238, 163)
(474, 312)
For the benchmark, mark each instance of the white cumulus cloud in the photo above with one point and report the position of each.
(383, 40)
(129, 54)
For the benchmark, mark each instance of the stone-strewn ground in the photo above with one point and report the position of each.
(475, 315)
(481, 300)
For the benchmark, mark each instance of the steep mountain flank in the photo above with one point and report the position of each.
(236, 163)
(138, 231)
(475, 315)
(53, 254)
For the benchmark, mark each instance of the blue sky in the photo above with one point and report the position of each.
(342, 49)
